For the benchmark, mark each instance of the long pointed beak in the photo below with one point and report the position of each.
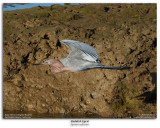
(38, 64)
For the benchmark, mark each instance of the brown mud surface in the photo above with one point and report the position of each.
(120, 33)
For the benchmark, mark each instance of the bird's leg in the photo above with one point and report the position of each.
(119, 68)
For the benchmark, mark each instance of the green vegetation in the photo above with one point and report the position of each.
(124, 97)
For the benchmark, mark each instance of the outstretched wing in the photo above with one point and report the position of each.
(77, 48)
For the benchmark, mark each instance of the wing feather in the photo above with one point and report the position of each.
(89, 52)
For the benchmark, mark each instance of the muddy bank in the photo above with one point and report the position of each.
(120, 33)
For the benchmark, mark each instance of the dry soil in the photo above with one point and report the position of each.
(120, 33)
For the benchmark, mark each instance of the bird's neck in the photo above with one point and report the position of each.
(63, 61)
(58, 67)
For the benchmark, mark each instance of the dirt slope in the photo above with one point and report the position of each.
(120, 33)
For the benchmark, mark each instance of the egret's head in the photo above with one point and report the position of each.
(47, 62)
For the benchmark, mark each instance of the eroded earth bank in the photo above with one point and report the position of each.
(120, 33)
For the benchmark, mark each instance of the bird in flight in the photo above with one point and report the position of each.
(81, 57)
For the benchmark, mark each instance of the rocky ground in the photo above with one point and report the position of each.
(120, 33)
